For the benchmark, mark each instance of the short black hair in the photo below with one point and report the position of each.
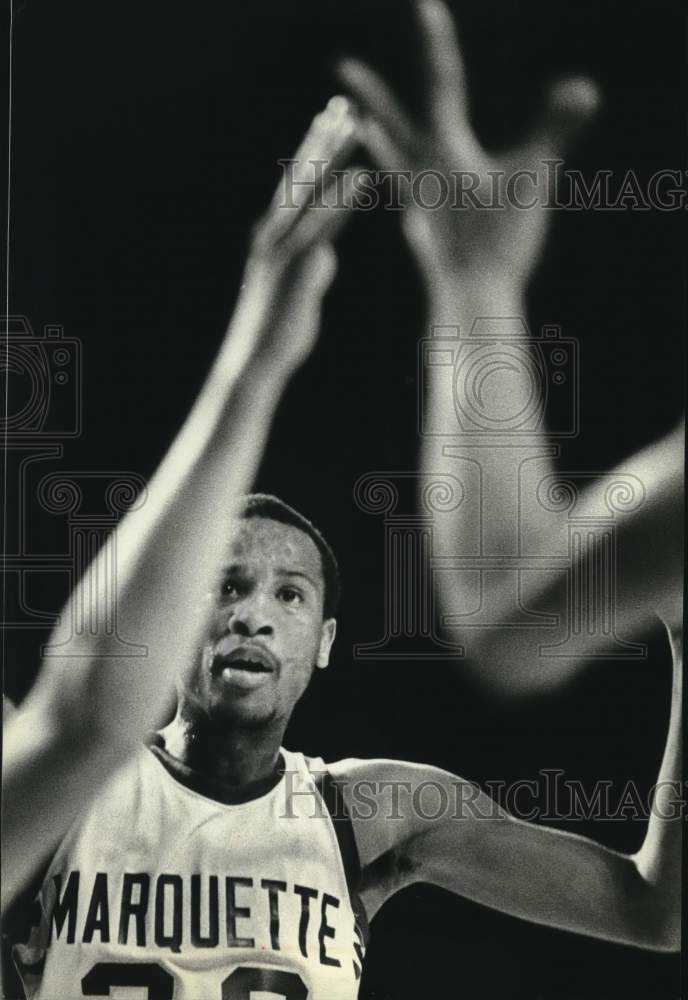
(274, 509)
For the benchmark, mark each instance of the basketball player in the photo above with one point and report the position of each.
(87, 712)
(476, 265)
(217, 863)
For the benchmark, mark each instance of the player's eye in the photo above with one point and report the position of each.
(290, 595)
(229, 588)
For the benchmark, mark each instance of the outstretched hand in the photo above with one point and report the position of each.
(291, 260)
(458, 235)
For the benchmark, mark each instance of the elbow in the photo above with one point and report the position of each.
(663, 927)
(653, 914)
(671, 942)
(661, 934)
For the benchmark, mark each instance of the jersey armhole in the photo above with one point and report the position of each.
(333, 799)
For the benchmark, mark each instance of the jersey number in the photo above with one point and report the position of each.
(239, 984)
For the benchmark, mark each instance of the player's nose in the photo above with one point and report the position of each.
(250, 617)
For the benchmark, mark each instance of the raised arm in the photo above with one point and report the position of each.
(85, 713)
(475, 263)
(486, 378)
(415, 823)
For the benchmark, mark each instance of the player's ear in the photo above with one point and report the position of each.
(329, 629)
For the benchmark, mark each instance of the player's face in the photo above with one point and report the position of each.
(267, 629)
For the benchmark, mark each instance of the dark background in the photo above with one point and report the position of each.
(145, 140)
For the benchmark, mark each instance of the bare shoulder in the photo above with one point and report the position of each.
(398, 810)
(379, 794)
(396, 787)
(384, 770)
(390, 802)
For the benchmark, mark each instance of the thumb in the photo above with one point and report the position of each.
(571, 104)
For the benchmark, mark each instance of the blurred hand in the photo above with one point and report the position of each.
(501, 244)
(291, 261)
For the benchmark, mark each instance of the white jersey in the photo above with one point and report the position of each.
(164, 892)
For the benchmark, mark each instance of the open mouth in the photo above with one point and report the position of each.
(252, 666)
(246, 659)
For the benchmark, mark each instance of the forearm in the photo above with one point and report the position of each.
(548, 877)
(169, 550)
(583, 886)
(503, 517)
(478, 850)
(659, 858)
(155, 583)
(49, 773)
(87, 712)
(467, 406)
(556, 879)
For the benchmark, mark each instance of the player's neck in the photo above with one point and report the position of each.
(233, 756)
